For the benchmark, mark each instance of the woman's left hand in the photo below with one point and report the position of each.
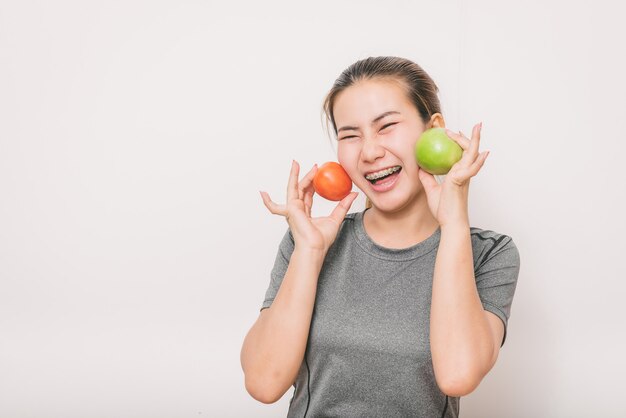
(448, 201)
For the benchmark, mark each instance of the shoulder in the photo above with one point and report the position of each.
(487, 244)
(489, 238)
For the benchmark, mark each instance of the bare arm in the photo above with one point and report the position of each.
(274, 347)
(464, 337)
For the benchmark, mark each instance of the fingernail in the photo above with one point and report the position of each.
(480, 126)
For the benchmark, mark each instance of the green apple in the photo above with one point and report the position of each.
(435, 152)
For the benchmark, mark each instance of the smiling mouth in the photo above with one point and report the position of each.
(376, 180)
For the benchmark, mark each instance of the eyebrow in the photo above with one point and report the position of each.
(356, 128)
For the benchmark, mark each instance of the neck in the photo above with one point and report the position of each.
(403, 228)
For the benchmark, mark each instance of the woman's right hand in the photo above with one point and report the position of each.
(309, 233)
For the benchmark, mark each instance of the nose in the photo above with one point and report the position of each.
(371, 150)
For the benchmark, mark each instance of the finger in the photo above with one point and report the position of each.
(473, 169)
(480, 161)
(459, 138)
(308, 201)
(428, 180)
(276, 209)
(306, 181)
(339, 213)
(474, 143)
(470, 148)
(292, 186)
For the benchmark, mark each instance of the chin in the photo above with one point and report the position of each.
(390, 203)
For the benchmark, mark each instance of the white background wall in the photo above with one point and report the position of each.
(135, 135)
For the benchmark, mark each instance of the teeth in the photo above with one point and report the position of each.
(382, 173)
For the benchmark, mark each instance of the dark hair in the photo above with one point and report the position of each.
(419, 86)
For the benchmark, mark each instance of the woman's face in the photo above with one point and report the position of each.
(377, 129)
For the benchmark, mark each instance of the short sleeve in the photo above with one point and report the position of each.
(283, 255)
(496, 275)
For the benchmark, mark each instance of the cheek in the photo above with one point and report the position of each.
(348, 158)
(345, 155)
(402, 144)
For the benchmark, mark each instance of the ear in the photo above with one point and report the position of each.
(436, 121)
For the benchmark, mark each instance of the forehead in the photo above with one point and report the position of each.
(367, 99)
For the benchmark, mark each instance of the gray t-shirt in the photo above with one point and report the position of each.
(368, 351)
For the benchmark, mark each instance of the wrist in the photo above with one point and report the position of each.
(456, 225)
(312, 252)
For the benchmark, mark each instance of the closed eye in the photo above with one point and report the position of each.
(354, 136)
(389, 124)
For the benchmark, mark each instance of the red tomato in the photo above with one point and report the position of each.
(332, 182)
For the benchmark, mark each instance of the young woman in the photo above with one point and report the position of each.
(397, 310)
